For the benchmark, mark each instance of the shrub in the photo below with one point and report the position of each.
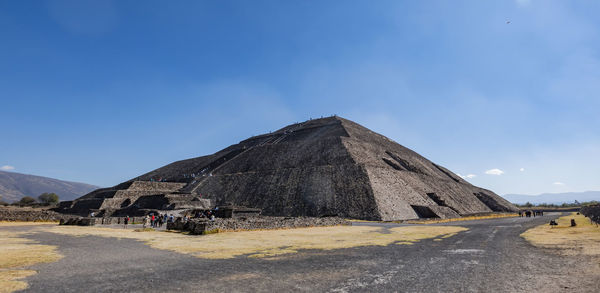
(26, 201)
(48, 198)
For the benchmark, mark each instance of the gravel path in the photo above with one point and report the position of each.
(490, 257)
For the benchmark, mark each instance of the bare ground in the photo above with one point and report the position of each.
(489, 257)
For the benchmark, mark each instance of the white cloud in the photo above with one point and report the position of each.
(558, 183)
(7, 168)
(522, 169)
(466, 176)
(494, 172)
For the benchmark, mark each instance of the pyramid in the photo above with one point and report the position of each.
(322, 167)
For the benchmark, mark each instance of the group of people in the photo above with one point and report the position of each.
(528, 214)
(202, 173)
(153, 220)
(194, 175)
(209, 214)
(157, 221)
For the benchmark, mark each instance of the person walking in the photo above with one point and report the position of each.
(125, 222)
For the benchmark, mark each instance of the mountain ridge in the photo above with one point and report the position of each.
(14, 186)
(554, 198)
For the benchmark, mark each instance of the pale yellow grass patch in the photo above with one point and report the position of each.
(9, 280)
(581, 239)
(16, 253)
(268, 242)
(10, 224)
(468, 218)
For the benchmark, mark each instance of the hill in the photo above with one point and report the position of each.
(554, 198)
(14, 186)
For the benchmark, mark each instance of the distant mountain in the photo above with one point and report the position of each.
(14, 186)
(554, 198)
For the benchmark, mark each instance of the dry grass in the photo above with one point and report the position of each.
(10, 224)
(9, 280)
(582, 239)
(468, 218)
(17, 253)
(268, 243)
(144, 230)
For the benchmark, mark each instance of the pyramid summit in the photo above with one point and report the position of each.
(321, 167)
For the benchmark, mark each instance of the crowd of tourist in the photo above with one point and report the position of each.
(153, 220)
(209, 214)
(157, 221)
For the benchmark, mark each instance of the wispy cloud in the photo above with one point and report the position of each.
(7, 168)
(466, 176)
(522, 169)
(558, 183)
(494, 172)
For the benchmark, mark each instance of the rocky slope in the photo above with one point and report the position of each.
(324, 167)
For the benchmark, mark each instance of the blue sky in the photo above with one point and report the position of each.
(102, 91)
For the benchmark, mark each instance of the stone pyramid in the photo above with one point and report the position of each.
(322, 167)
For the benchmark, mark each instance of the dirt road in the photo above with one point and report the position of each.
(489, 257)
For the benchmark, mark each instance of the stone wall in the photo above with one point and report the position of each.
(17, 214)
(198, 227)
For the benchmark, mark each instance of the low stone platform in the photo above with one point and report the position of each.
(27, 214)
(204, 226)
(79, 221)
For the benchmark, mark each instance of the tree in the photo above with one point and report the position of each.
(26, 200)
(48, 198)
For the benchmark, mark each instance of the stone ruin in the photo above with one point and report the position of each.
(136, 198)
(204, 226)
(323, 167)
